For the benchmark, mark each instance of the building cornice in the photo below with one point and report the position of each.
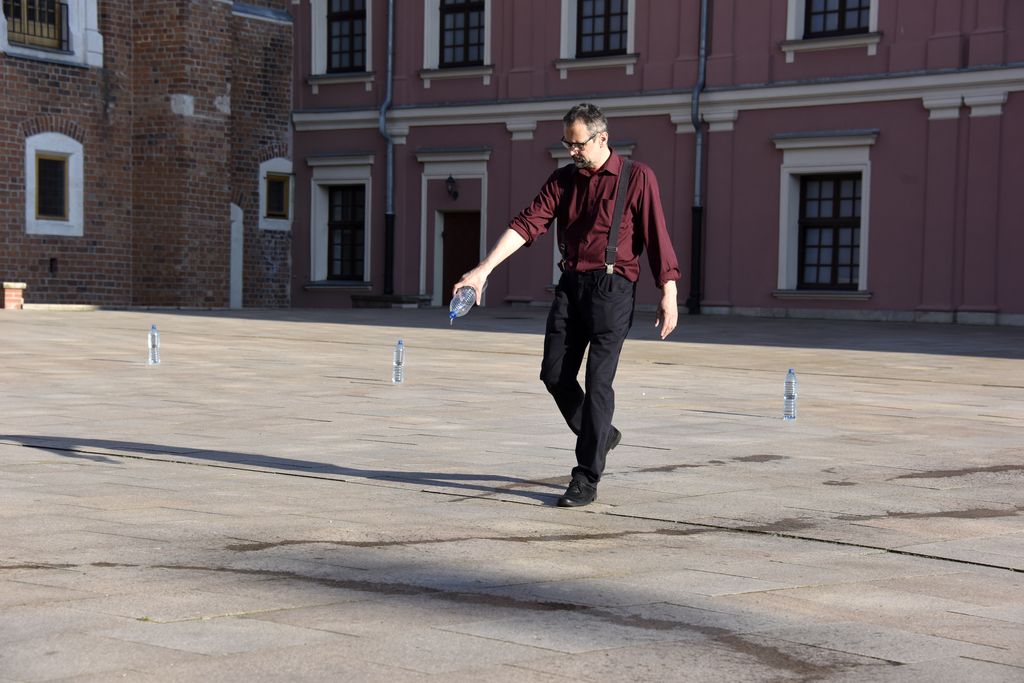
(519, 114)
(964, 83)
(718, 106)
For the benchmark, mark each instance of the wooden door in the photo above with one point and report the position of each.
(461, 248)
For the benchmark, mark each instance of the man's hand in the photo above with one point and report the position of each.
(476, 279)
(507, 244)
(668, 310)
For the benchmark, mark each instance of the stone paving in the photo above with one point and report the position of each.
(266, 505)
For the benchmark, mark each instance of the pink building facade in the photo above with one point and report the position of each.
(851, 158)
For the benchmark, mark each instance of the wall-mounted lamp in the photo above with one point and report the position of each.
(453, 189)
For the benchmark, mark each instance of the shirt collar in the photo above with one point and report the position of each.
(612, 165)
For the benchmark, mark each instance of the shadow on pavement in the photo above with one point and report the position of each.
(108, 451)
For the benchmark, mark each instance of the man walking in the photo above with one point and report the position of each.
(595, 296)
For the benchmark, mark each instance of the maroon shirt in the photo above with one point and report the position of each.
(583, 201)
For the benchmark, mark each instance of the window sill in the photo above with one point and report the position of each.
(866, 40)
(482, 72)
(822, 294)
(276, 224)
(564, 66)
(365, 77)
(42, 54)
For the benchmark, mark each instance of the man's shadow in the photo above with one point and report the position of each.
(106, 450)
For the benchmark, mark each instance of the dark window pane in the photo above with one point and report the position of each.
(346, 233)
(601, 27)
(829, 228)
(346, 26)
(51, 188)
(277, 195)
(462, 34)
(836, 17)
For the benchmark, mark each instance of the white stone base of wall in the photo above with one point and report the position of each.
(960, 318)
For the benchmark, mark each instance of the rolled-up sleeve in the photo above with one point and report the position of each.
(660, 253)
(535, 219)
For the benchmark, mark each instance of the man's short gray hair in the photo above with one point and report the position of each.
(591, 116)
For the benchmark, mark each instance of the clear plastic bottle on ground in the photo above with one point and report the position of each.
(789, 396)
(154, 346)
(398, 363)
(461, 303)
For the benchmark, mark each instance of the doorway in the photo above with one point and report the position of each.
(460, 247)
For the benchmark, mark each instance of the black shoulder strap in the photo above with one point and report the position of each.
(620, 206)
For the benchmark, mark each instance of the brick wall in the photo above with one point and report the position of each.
(165, 155)
(181, 188)
(92, 106)
(261, 101)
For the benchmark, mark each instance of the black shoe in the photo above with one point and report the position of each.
(578, 494)
(613, 440)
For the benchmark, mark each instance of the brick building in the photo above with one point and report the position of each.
(145, 151)
(898, 120)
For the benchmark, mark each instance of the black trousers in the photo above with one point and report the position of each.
(594, 310)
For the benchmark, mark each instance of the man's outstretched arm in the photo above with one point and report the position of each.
(508, 244)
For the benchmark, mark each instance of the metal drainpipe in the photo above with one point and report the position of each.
(389, 212)
(697, 211)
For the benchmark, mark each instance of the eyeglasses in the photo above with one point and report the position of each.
(578, 146)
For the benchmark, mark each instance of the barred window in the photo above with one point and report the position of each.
(51, 187)
(462, 33)
(836, 17)
(39, 23)
(346, 36)
(601, 27)
(346, 232)
(829, 231)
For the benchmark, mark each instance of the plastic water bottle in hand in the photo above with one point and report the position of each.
(154, 347)
(461, 303)
(789, 396)
(398, 363)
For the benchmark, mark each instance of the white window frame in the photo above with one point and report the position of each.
(432, 46)
(567, 59)
(795, 41)
(58, 145)
(276, 166)
(84, 40)
(328, 172)
(816, 155)
(318, 46)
